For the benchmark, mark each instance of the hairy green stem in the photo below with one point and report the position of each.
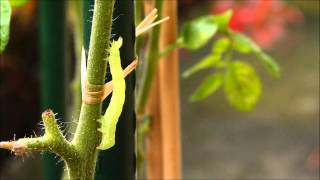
(87, 137)
(53, 141)
(150, 66)
(80, 155)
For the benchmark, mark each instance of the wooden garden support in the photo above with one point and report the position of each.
(164, 157)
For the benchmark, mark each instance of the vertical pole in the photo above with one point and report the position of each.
(155, 166)
(52, 55)
(118, 162)
(164, 158)
(169, 93)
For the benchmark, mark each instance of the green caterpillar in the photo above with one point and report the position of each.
(110, 118)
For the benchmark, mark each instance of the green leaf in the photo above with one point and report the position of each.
(242, 45)
(5, 15)
(242, 86)
(221, 45)
(269, 63)
(245, 45)
(195, 34)
(205, 63)
(18, 3)
(209, 85)
(212, 60)
(222, 20)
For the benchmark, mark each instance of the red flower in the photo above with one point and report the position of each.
(263, 20)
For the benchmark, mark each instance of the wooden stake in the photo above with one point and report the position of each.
(164, 157)
(155, 157)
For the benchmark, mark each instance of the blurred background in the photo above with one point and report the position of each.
(279, 139)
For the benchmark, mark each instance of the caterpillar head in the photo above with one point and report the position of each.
(116, 44)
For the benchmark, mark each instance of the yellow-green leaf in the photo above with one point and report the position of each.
(212, 60)
(222, 20)
(195, 34)
(5, 15)
(245, 45)
(18, 3)
(205, 63)
(209, 85)
(269, 63)
(242, 86)
(221, 45)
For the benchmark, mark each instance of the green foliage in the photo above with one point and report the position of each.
(205, 63)
(18, 3)
(242, 86)
(196, 33)
(210, 60)
(241, 83)
(209, 85)
(5, 11)
(245, 45)
(220, 46)
(222, 20)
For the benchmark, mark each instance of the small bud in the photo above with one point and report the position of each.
(48, 114)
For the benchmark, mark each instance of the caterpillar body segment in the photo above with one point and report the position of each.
(110, 119)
